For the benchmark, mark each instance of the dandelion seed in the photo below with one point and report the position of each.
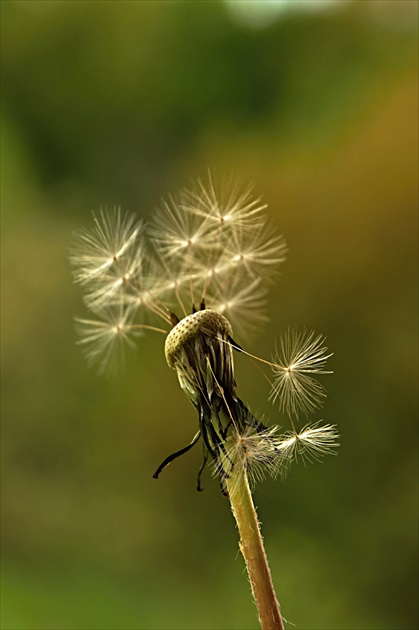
(298, 357)
(105, 339)
(233, 208)
(243, 304)
(113, 240)
(310, 444)
(177, 232)
(258, 253)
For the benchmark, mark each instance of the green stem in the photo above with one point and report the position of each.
(251, 546)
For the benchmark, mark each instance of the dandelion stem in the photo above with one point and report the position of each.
(251, 546)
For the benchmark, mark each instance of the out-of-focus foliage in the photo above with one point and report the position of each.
(122, 102)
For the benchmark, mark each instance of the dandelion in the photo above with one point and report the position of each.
(198, 274)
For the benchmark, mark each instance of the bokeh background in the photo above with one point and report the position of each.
(108, 103)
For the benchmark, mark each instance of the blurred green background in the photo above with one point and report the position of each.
(109, 103)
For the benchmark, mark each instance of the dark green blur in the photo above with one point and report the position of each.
(108, 103)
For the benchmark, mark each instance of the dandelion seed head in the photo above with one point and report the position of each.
(208, 321)
(203, 266)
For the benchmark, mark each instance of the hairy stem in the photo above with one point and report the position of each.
(251, 546)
